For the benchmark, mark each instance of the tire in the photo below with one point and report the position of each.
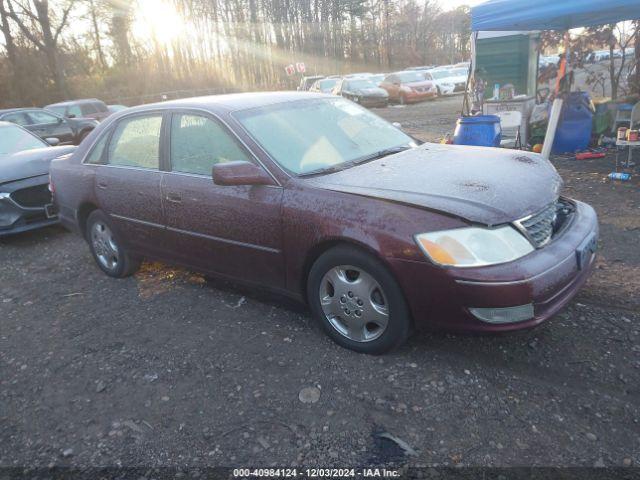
(357, 302)
(439, 91)
(107, 249)
(403, 100)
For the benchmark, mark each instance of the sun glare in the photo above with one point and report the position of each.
(157, 19)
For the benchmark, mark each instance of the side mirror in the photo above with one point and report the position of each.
(52, 141)
(398, 125)
(240, 173)
(71, 115)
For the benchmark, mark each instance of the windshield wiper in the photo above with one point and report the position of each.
(357, 161)
(380, 154)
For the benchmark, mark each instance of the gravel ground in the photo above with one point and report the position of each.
(171, 369)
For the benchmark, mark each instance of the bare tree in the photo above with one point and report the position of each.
(35, 22)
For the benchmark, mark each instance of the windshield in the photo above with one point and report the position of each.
(440, 74)
(310, 135)
(460, 72)
(359, 84)
(328, 84)
(14, 139)
(409, 77)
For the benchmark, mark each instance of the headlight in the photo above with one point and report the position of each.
(4, 195)
(474, 246)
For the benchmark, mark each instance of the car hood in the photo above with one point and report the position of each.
(29, 163)
(481, 185)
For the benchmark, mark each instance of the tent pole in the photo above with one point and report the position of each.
(550, 135)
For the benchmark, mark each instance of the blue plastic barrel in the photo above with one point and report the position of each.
(481, 130)
(576, 123)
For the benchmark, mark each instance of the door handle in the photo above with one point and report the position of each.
(174, 198)
(102, 185)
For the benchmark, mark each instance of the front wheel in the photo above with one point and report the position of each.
(107, 249)
(357, 302)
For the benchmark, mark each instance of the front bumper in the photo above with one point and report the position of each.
(548, 278)
(17, 217)
(413, 96)
(374, 101)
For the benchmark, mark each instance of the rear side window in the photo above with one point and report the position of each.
(198, 143)
(96, 157)
(136, 142)
(19, 118)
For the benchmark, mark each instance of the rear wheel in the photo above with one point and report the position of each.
(357, 302)
(107, 249)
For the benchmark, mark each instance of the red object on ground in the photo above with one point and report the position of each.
(588, 155)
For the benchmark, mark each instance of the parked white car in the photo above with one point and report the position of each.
(448, 81)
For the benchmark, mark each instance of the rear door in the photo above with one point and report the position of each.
(128, 185)
(230, 230)
(47, 125)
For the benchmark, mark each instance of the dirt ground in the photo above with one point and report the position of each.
(171, 369)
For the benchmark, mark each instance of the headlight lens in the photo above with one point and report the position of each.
(474, 246)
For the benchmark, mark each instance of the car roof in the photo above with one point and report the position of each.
(232, 102)
(19, 109)
(74, 102)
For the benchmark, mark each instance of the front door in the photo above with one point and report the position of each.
(128, 185)
(46, 125)
(230, 230)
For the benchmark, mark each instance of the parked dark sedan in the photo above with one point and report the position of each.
(362, 91)
(314, 196)
(25, 200)
(83, 108)
(45, 124)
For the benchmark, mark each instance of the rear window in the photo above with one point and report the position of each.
(88, 108)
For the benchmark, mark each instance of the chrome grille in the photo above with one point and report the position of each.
(539, 227)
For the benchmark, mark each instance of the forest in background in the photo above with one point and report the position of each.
(58, 49)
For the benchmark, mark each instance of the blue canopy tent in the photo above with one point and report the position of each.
(509, 15)
(526, 15)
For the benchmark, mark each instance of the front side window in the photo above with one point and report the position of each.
(42, 117)
(198, 143)
(310, 135)
(136, 142)
(14, 139)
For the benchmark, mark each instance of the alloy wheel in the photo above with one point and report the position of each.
(105, 246)
(354, 303)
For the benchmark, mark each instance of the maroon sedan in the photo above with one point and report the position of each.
(317, 198)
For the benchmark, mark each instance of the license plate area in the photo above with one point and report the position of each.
(586, 249)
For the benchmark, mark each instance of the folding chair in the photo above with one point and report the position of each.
(510, 123)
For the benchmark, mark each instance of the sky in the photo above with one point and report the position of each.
(451, 4)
